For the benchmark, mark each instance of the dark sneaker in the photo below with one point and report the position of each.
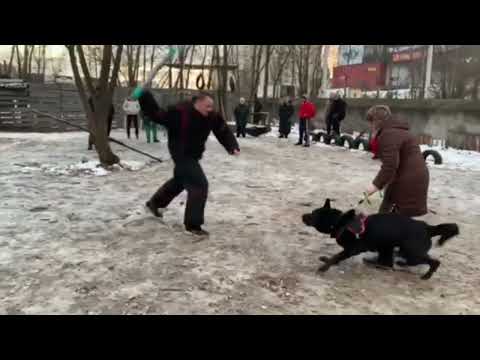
(154, 210)
(298, 144)
(306, 145)
(196, 230)
(156, 141)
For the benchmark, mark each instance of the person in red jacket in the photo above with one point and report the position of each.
(307, 112)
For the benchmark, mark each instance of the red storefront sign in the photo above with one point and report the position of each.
(361, 76)
(408, 56)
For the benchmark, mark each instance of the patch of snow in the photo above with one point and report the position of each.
(44, 137)
(93, 168)
(456, 159)
(133, 165)
(87, 168)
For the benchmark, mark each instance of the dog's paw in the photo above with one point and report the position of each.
(401, 263)
(427, 276)
(323, 269)
(324, 259)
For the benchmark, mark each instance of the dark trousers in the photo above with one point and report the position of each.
(285, 127)
(132, 119)
(187, 175)
(304, 132)
(333, 124)
(91, 140)
(241, 128)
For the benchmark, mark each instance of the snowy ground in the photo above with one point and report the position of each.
(74, 239)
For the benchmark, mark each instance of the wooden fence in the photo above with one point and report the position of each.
(62, 100)
(59, 100)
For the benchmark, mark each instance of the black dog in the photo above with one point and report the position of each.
(380, 233)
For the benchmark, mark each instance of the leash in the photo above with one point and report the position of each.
(88, 131)
(366, 198)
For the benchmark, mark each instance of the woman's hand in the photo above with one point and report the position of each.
(372, 189)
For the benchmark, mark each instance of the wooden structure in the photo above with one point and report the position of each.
(57, 99)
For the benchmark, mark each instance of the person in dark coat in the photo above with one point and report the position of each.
(257, 109)
(241, 112)
(285, 113)
(404, 173)
(111, 114)
(336, 113)
(189, 126)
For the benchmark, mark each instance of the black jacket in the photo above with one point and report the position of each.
(337, 110)
(188, 130)
(258, 106)
(286, 111)
(241, 113)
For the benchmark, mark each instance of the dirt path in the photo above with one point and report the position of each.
(81, 244)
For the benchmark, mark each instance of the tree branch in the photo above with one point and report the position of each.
(86, 72)
(116, 67)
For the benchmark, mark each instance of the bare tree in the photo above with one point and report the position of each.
(268, 51)
(133, 64)
(24, 60)
(317, 70)
(282, 56)
(98, 120)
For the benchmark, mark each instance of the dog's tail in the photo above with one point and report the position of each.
(445, 231)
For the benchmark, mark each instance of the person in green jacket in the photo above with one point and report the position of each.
(150, 129)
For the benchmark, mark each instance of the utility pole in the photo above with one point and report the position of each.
(428, 73)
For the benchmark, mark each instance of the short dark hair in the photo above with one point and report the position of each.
(201, 96)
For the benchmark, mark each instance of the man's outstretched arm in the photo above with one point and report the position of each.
(150, 108)
(224, 135)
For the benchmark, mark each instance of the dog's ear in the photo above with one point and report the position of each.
(327, 204)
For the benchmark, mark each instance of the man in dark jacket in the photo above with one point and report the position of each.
(257, 109)
(285, 113)
(404, 174)
(188, 125)
(111, 114)
(241, 113)
(336, 112)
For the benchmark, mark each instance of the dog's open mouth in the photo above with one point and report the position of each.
(307, 219)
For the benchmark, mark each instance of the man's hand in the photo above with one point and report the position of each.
(372, 189)
(236, 153)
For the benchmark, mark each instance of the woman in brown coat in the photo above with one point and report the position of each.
(404, 174)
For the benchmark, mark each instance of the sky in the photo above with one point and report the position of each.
(52, 50)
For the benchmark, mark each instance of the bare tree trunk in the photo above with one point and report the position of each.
(211, 72)
(137, 64)
(224, 82)
(144, 63)
(152, 57)
(102, 102)
(44, 60)
(10, 63)
(267, 73)
(25, 61)
(38, 60)
(187, 81)
(256, 70)
(19, 62)
(30, 58)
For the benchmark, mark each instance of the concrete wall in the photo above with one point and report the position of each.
(455, 121)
